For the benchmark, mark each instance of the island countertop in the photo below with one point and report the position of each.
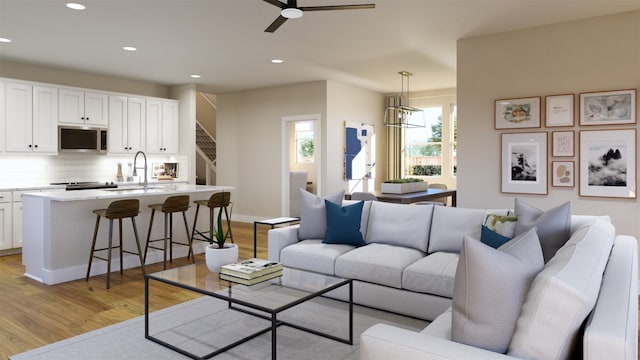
(58, 226)
(125, 192)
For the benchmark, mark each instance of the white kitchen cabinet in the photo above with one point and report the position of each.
(88, 108)
(5, 221)
(2, 115)
(126, 124)
(162, 127)
(31, 118)
(16, 215)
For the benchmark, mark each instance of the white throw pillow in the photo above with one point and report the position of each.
(313, 215)
(490, 287)
(563, 294)
(554, 225)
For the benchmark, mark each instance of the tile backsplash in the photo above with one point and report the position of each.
(34, 170)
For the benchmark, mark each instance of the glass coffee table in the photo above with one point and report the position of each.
(266, 300)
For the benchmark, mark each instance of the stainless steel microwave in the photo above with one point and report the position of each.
(82, 139)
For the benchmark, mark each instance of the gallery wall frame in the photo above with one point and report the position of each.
(563, 173)
(562, 143)
(616, 107)
(559, 110)
(524, 163)
(518, 113)
(608, 163)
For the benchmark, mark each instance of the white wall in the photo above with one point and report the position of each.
(249, 142)
(589, 55)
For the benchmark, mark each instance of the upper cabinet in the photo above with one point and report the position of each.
(2, 115)
(162, 126)
(126, 124)
(31, 118)
(87, 108)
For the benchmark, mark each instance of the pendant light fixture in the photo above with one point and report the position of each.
(398, 112)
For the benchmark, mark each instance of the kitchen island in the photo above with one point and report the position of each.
(58, 228)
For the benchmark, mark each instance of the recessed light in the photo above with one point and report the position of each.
(195, 76)
(76, 6)
(129, 48)
(5, 40)
(277, 61)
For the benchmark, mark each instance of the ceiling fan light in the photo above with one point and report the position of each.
(291, 13)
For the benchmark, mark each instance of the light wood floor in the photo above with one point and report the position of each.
(33, 314)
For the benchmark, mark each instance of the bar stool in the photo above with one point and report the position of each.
(217, 200)
(119, 209)
(171, 205)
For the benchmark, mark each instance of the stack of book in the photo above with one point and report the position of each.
(252, 271)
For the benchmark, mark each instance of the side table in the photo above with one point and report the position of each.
(272, 222)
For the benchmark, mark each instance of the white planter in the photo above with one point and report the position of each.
(217, 257)
(403, 188)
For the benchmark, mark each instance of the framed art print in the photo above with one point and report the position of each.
(559, 110)
(524, 163)
(562, 143)
(517, 113)
(608, 107)
(562, 173)
(608, 163)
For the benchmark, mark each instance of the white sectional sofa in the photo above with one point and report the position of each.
(409, 264)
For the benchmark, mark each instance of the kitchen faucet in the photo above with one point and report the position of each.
(135, 158)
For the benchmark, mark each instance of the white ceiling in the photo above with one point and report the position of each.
(224, 40)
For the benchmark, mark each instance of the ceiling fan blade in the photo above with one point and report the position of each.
(276, 24)
(277, 3)
(337, 7)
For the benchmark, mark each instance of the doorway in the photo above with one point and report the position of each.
(301, 152)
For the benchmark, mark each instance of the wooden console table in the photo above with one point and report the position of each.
(408, 198)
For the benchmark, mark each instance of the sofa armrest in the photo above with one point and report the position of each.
(279, 238)
(383, 341)
(611, 331)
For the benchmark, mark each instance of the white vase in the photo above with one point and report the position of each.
(217, 257)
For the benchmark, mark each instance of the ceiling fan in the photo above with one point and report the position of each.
(291, 10)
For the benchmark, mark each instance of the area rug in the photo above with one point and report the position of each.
(203, 325)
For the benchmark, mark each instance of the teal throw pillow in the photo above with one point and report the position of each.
(343, 224)
(498, 229)
(492, 238)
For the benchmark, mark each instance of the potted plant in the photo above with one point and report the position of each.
(403, 186)
(218, 252)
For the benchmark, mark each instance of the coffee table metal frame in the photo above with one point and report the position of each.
(269, 314)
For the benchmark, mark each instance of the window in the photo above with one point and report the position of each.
(430, 152)
(304, 142)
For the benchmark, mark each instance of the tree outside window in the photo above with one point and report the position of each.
(305, 146)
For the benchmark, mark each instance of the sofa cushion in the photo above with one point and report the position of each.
(377, 263)
(563, 294)
(554, 225)
(490, 287)
(313, 255)
(343, 224)
(399, 224)
(498, 229)
(433, 274)
(313, 217)
(451, 224)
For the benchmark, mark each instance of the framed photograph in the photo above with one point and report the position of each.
(524, 163)
(562, 143)
(608, 163)
(563, 173)
(559, 110)
(608, 107)
(517, 113)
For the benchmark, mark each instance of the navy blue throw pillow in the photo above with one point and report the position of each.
(492, 238)
(343, 224)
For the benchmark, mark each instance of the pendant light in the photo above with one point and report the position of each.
(398, 112)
